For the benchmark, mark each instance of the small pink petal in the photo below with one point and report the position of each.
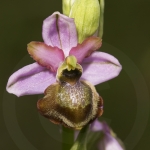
(96, 126)
(86, 48)
(109, 143)
(60, 31)
(31, 79)
(100, 67)
(47, 56)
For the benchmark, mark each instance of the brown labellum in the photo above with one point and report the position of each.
(73, 106)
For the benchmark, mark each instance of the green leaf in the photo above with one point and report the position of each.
(93, 139)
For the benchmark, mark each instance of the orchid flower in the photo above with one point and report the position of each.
(108, 141)
(67, 71)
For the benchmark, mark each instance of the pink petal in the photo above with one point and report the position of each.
(96, 126)
(47, 56)
(100, 67)
(109, 143)
(59, 30)
(31, 79)
(86, 48)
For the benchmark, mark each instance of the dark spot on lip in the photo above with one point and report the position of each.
(71, 74)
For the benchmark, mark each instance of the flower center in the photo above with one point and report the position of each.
(69, 71)
(71, 74)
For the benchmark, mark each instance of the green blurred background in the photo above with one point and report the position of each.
(126, 98)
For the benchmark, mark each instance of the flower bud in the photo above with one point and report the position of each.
(101, 21)
(86, 14)
(66, 4)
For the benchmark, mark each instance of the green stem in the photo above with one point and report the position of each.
(67, 138)
(81, 142)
